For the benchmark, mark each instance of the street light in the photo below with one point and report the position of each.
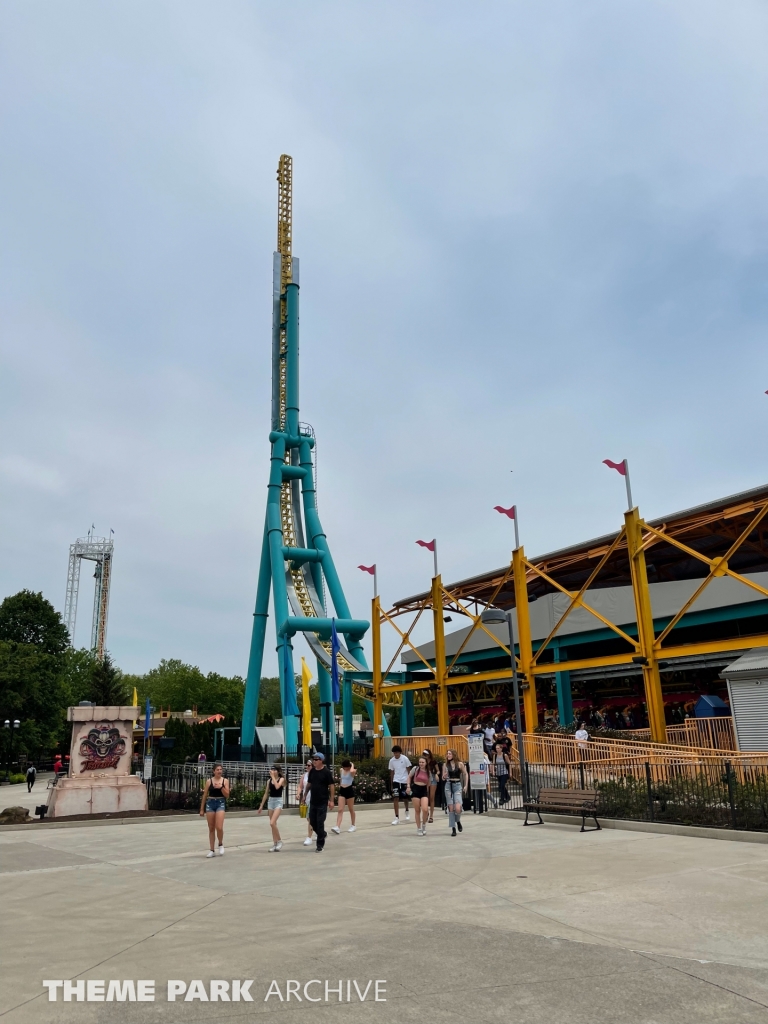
(496, 615)
(16, 725)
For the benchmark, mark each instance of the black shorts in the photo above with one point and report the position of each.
(348, 792)
(399, 789)
(419, 791)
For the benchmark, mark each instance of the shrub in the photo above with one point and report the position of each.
(241, 796)
(17, 777)
(374, 766)
(369, 788)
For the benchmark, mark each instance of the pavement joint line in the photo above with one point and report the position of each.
(714, 984)
(120, 952)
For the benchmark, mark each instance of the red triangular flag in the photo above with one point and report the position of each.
(428, 544)
(505, 511)
(368, 568)
(618, 466)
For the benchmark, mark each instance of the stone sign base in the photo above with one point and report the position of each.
(97, 796)
(99, 780)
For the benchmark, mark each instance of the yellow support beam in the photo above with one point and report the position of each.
(524, 639)
(441, 675)
(654, 701)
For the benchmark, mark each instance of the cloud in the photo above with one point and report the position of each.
(531, 238)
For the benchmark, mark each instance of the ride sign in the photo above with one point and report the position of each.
(478, 766)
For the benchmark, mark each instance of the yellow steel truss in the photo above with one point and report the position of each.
(634, 539)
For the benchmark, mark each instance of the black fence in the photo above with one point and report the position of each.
(715, 793)
(173, 790)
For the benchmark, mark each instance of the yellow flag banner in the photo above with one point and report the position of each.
(306, 706)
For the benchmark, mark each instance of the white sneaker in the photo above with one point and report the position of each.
(352, 828)
(419, 832)
(210, 854)
(272, 848)
(396, 821)
(221, 851)
(407, 815)
(307, 841)
(279, 846)
(336, 829)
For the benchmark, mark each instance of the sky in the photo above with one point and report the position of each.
(532, 236)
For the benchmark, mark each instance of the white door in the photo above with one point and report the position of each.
(749, 705)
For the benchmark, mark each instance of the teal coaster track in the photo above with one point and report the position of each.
(296, 563)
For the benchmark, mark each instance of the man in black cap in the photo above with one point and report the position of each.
(323, 793)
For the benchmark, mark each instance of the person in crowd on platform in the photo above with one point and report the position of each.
(501, 768)
(399, 766)
(475, 727)
(418, 787)
(488, 733)
(213, 805)
(582, 739)
(31, 776)
(274, 792)
(346, 797)
(433, 780)
(456, 782)
(304, 798)
(201, 759)
(322, 791)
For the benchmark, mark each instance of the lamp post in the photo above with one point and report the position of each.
(496, 615)
(12, 734)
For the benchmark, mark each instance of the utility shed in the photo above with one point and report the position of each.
(747, 679)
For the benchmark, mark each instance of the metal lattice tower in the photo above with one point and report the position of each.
(99, 550)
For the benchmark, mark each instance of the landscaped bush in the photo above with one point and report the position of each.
(241, 796)
(374, 766)
(369, 788)
(17, 777)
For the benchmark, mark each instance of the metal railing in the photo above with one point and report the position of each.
(414, 745)
(716, 733)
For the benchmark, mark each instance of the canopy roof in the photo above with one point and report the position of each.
(710, 529)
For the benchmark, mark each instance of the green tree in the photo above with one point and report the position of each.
(77, 675)
(108, 687)
(178, 686)
(33, 642)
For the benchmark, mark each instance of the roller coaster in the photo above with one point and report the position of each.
(296, 563)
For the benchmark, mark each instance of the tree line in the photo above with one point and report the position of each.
(41, 675)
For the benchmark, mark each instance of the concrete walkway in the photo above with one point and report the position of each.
(17, 795)
(503, 922)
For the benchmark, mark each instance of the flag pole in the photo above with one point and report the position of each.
(517, 535)
(434, 552)
(375, 581)
(630, 506)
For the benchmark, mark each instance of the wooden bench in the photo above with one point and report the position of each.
(572, 801)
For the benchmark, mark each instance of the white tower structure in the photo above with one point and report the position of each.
(99, 550)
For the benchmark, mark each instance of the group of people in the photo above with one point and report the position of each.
(410, 783)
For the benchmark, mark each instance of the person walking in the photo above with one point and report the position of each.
(201, 759)
(304, 798)
(213, 805)
(456, 782)
(322, 792)
(399, 766)
(346, 796)
(274, 791)
(582, 740)
(433, 780)
(418, 787)
(501, 769)
(31, 776)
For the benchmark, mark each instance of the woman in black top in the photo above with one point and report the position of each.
(456, 783)
(273, 794)
(213, 805)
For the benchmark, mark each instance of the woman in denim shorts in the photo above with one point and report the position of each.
(213, 805)
(273, 794)
(456, 784)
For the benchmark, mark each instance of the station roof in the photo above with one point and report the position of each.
(710, 529)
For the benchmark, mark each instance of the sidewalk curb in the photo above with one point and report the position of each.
(151, 818)
(659, 828)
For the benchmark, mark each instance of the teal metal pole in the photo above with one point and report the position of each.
(406, 714)
(369, 709)
(325, 689)
(256, 656)
(563, 684)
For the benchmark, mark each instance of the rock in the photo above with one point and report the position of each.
(14, 816)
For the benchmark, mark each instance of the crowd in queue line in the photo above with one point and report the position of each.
(418, 783)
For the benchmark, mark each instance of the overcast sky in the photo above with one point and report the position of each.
(532, 236)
